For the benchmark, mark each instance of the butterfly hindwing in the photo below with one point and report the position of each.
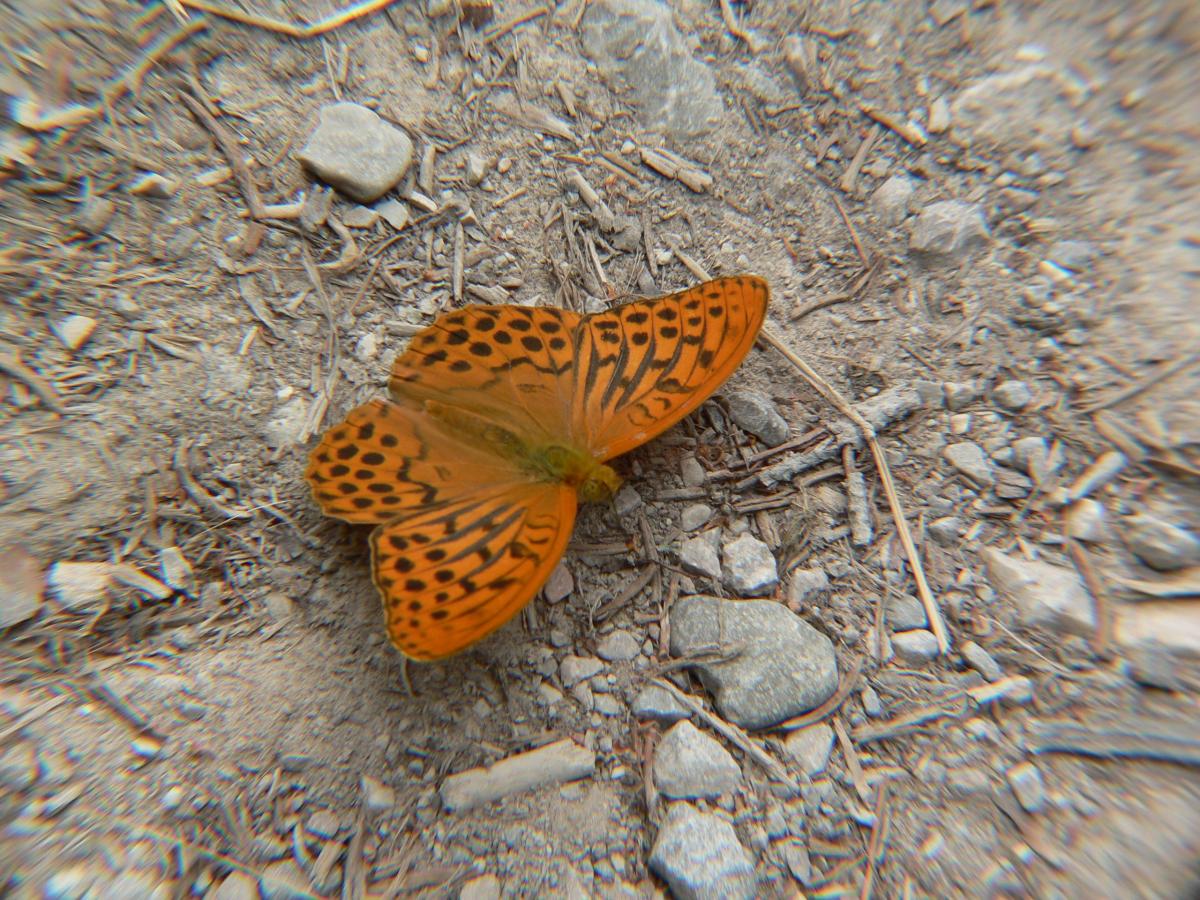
(453, 573)
(388, 458)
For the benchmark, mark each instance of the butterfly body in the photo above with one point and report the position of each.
(500, 419)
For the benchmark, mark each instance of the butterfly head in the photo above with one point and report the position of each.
(594, 481)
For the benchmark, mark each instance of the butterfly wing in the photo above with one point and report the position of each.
(645, 365)
(452, 573)
(391, 457)
(511, 365)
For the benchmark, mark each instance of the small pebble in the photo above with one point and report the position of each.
(559, 585)
(1025, 779)
(692, 472)
(627, 501)
(360, 217)
(804, 584)
(575, 669)
(1012, 396)
(981, 661)
(749, 566)
(872, 705)
(969, 459)
(1160, 544)
(695, 516)
(1085, 520)
(810, 747)
(915, 648)
(75, 331)
(618, 646)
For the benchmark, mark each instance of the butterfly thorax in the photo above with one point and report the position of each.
(594, 481)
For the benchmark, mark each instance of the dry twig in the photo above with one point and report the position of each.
(936, 623)
(732, 733)
(12, 366)
(313, 29)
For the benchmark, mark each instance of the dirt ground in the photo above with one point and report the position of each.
(237, 723)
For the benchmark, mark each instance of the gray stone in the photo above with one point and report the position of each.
(19, 767)
(95, 214)
(284, 880)
(904, 612)
(237, 885)
(784, 666)
(960, 395)
(286, 424)
(810, 748)
(795, 854)
(804, 584)
(891, 199)
(1159, 544)
(1011, 485)
(559, 585)
(1154, 666)
(699, 856)
(627, 501)
(476, 169)
(1023, 110)
(916, 647)
(1077, 256)
(754, 412)
(1025, 779)
(618, 646)
(965, 780)
(695, 516)
(872, 705)
(607, 705)
(1012, 396)
(378, 796)
(698, 555)
(981, 661)
(749, 566)
(692, 472)
(636, 41)
(658, 704)
(946, 530)
(969, 459)
(357, 152)
(1086, 520)
(1033, 457)
(690, 764)
(575, 669)
(20, 585)
(1045, 595)
(949, 229)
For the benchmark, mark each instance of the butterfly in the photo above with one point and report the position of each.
(499, 420)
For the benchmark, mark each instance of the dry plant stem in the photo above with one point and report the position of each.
(936, 623)
(230, 149)
(732, 26)
(1161, 373)
(321, 26)
(1102, 636)
(11, 365)
(498, 31)
(858, 246)
(193, 489)
(733, 734)
(857, 776)
(878, 842)
(830, 706)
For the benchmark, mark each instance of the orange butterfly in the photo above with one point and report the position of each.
(500, 420)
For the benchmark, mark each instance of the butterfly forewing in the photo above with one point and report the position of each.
(454, 572)
(645, 365)
(512, 365)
